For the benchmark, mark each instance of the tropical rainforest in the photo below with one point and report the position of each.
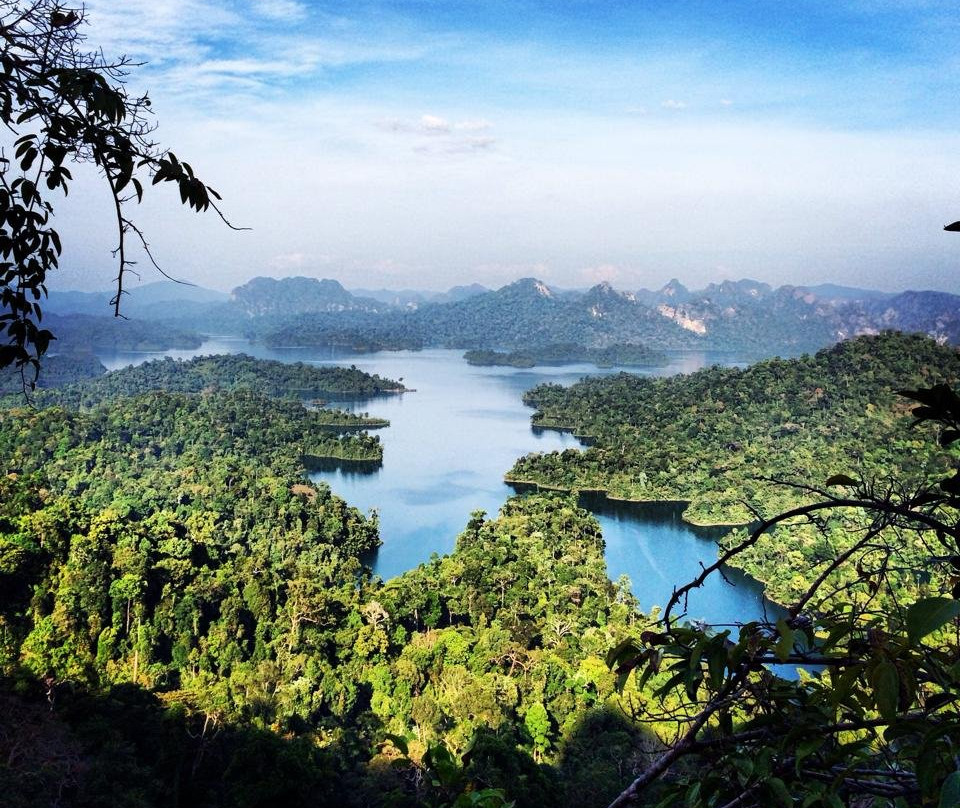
(186, 619)
(179, 594)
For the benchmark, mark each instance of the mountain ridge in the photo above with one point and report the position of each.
(745, 314)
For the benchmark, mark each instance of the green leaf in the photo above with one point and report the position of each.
(627, 648)
(778, 790)
(784, 645)
(744, 765)
(717, 665)
(950, 792)
(886, 689)
(927, 767)
(927, 615)
(807, 748)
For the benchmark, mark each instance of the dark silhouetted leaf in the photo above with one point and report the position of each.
(841, 479)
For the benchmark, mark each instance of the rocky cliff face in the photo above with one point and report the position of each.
(936, 314)
(746, 314)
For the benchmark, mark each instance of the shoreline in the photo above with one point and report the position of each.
(678, 503)
(603, 492)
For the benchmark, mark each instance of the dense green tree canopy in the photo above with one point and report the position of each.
(197, 615)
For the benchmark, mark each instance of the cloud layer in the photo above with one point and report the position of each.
(428, 145)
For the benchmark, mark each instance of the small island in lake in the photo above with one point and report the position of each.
(563, 353)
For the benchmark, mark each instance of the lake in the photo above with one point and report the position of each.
(448, 446)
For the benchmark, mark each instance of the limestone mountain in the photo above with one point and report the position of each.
(265, 297)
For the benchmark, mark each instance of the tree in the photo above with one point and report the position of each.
(64, 105)
(537, 723)
(878, 723)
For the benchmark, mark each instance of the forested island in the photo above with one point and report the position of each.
(230, 372)
(625, 355)
(710, 436)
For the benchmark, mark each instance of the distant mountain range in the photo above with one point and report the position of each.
(743, 315)
(151, 300)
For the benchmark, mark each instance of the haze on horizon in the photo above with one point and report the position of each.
(425, 145)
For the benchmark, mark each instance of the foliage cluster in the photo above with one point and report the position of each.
(58, 370)
(708, 436)
(168, 542)
(484, 666)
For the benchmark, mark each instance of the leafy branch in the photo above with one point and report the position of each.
(64, 104)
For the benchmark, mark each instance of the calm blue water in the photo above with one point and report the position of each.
(451, 441)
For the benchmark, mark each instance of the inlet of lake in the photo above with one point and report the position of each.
(451, 441)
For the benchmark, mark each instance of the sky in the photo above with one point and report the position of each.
(430, 143)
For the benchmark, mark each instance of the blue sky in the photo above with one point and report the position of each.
(434, 142)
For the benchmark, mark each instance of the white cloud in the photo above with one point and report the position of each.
(320, 159)
(726, 102)
(649, 202)
(437, 135)
(433, 123)
(460, 145)
(158, 31)
(478, 125)
(260, 47)
(284, 10)
(246, 67)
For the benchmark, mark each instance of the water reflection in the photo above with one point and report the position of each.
(343, 467)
